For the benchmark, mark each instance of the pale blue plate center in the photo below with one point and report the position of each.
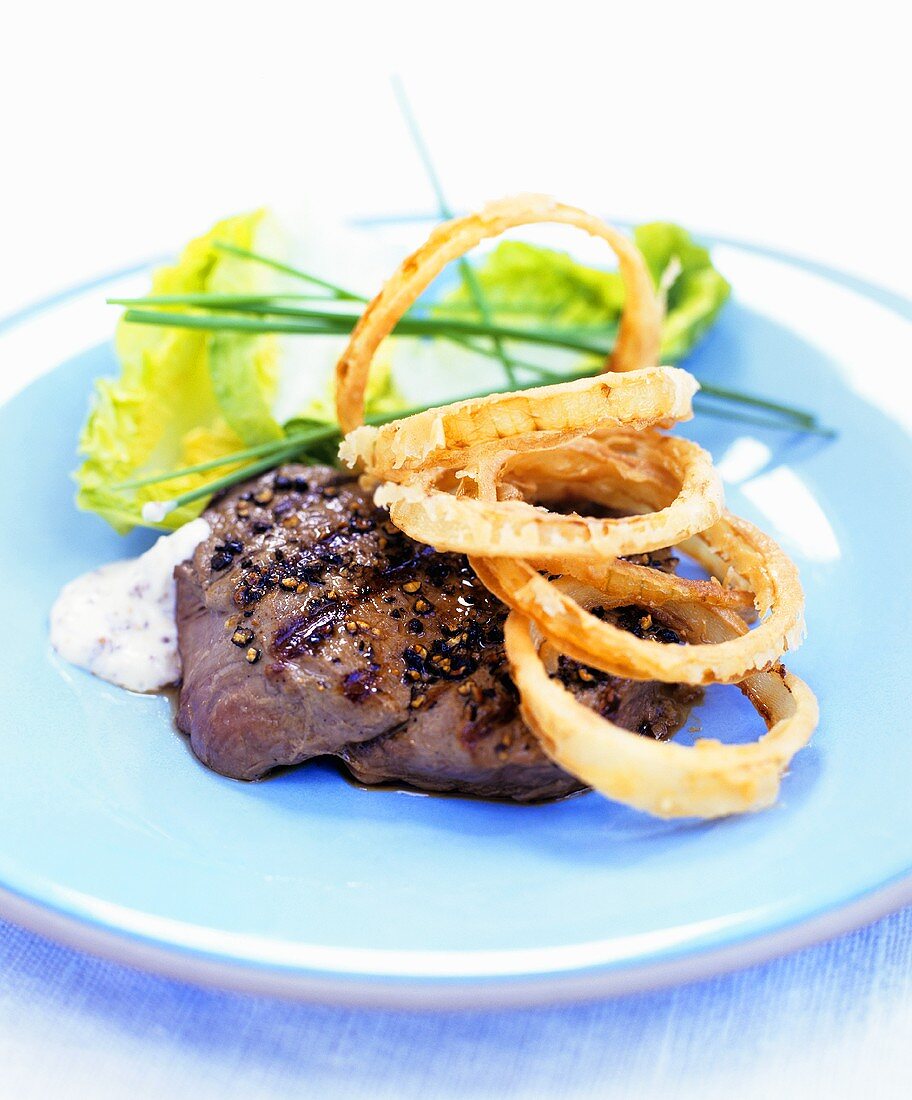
(106, 816)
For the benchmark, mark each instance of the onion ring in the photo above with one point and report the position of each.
(500, 478)
(618, 582)
(709, 780)
(639, 335)
(557, 610)
(514, 528)
(654, 397)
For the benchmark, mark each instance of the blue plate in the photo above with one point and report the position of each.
(113, 838)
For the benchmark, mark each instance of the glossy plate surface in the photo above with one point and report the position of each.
(112, 836)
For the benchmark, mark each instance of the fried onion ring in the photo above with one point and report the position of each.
(514, 528)
(558, 611)
(548, 490)
(655, 397)
(709, 780)
(639, 335)
(618, 581)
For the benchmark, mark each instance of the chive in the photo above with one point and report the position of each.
(201, 467)
(255, 326)
(761, 421)
(278, 449)
(326, 322)
(565, 336)
(216, 301)
(466, 271)
(212, 487)
(800, 416)
(263, 305)
(301, 320)
(293, 446)
(239, 301)
(277, 265)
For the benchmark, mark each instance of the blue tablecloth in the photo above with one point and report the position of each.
(832, 1021)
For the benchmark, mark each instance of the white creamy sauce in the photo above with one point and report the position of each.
(119, 622)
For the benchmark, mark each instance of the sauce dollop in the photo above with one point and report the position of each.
(118, 621)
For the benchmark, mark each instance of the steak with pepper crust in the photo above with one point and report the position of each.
(309, 625)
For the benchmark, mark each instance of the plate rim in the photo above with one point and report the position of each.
(449, 994)
(440, 992)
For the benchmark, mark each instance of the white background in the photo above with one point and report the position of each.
(127, 129)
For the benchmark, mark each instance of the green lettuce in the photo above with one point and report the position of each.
(163, 412)
(694, 290)
(526, 284)
(245, 369)
(186, 397)
(244, 372)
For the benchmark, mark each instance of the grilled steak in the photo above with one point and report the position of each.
(309, 625)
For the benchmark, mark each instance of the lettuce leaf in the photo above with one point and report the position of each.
(519, 279)
(186, 397)
(245, 369)
(527, 284)
(163, 412)
(695, 292)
